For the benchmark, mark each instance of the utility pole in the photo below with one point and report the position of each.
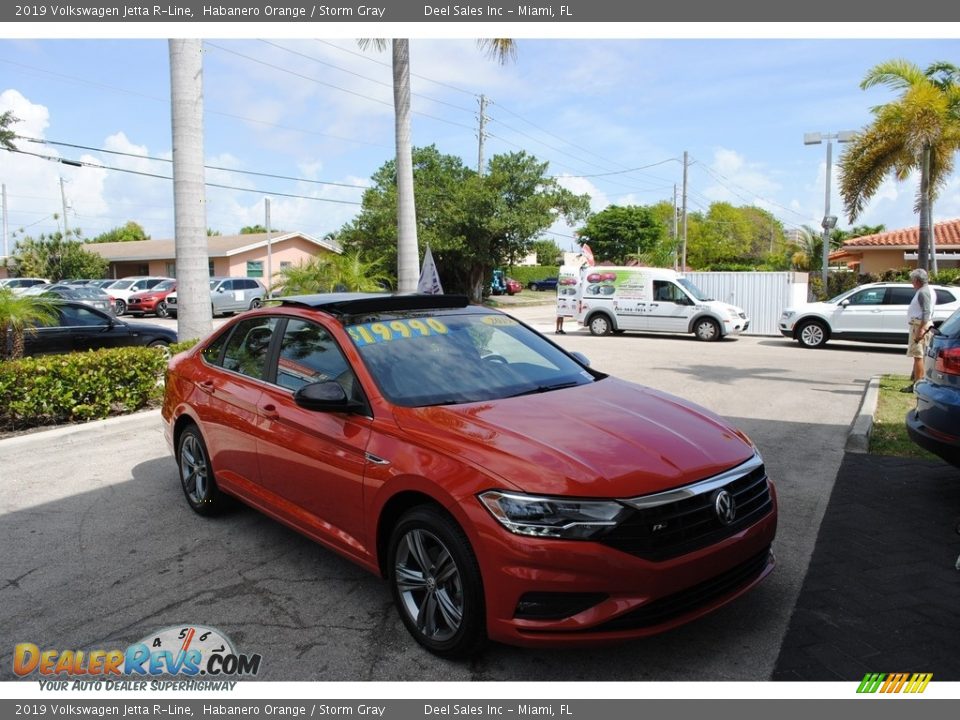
(482, 134)
(269, 283)
(6, 247)
(683, 267)
(673, 228)
(63, 199)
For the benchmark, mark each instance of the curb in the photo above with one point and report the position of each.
(146, 417)
(858, 439)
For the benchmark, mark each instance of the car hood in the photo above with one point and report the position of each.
(142, 328)
(610, 438)
(820, 308)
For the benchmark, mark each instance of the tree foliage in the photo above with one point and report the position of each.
(53, 257)
(130, 232)
(548, 252)
(349, 272)
(920, 130)
(257, 229)
(615, 233)
(19, 315)
(472, 223)
(6, 134)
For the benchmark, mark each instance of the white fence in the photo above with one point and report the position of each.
(762, 295)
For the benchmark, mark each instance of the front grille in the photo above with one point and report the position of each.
(676, 528)
(686, 601)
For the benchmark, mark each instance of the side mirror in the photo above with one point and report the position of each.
(327, 396)
(844, 303)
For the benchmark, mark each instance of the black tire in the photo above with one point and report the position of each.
(436, 583)
(255, 303)
(812, 334)
(196, 474)
(119, 307)
(532, 286)
(162, 310)
(707, 329)
(600, 324)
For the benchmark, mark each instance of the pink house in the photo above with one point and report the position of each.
(230, 255)
(898, 249)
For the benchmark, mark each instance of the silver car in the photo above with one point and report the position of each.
(228, 295)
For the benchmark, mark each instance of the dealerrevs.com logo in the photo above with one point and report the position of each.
(183, 651)
(911, 683)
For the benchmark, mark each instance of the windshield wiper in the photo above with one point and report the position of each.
(546, 388)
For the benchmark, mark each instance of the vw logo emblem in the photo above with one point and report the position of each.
(724, 507)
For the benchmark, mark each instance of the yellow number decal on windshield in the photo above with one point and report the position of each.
(377, 332)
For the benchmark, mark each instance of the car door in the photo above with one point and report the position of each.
(670, 309)
(895, 305)
(861, 313)
(90, 329)
(229, 409)
(314, 461)
(222, 297)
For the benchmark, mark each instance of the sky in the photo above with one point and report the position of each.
(612, 117)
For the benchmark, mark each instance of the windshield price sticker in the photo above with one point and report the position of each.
(378, 332)
(499, 320)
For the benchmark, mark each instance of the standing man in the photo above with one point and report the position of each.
(920, 317)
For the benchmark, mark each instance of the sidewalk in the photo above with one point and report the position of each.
(882, 593)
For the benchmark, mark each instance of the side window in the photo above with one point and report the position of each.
(226, 286)
(871, 296)
(666, 291)
(944, 297)
(75, 316)
(215, 349)
(308, 354)
(248, 346)
(899, 296)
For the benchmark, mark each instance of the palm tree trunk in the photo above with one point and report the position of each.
(189, 199)
(408, 252)
(926, 228)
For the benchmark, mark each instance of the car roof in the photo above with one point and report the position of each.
(354, 303)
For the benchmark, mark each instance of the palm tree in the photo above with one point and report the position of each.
(408, 252)
(19, 315)
(333, 273)
(193, 275)
(920, 130)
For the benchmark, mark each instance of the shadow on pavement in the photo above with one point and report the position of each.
(882, 593)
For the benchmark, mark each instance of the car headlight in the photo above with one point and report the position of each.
(787, 314)
(556, 517)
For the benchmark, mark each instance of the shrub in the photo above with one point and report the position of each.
(53, 389)
(183, 345)
(525, 274)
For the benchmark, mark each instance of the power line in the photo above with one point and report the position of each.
(208, 167)
(331, 85)
(80, 163)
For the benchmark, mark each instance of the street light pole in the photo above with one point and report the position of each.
(829, 221)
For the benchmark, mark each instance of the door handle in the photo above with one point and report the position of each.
(207, 386)
(269, 411)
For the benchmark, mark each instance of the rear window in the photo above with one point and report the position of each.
(945, 297)
(951, 325)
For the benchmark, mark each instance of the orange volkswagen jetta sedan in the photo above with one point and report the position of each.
(504, 488)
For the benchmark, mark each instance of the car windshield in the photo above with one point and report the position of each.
(165, 285)
(423, 359)
(122, 284)
(694, 291)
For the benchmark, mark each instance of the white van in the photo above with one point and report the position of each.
(615, 299)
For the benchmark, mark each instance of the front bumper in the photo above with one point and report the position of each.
(612, 595)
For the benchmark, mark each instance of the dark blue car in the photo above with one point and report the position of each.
(935, 423)
(544, 284)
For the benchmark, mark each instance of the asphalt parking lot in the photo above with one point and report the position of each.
(102, 550)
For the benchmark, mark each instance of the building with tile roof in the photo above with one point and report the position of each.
(898, 248)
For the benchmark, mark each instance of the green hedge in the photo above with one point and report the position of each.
(525, 274)
(77, 387)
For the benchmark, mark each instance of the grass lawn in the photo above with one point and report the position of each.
(889, 434)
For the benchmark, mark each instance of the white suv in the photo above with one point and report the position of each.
(869, 313)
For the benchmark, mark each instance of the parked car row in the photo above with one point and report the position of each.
(227, 295)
